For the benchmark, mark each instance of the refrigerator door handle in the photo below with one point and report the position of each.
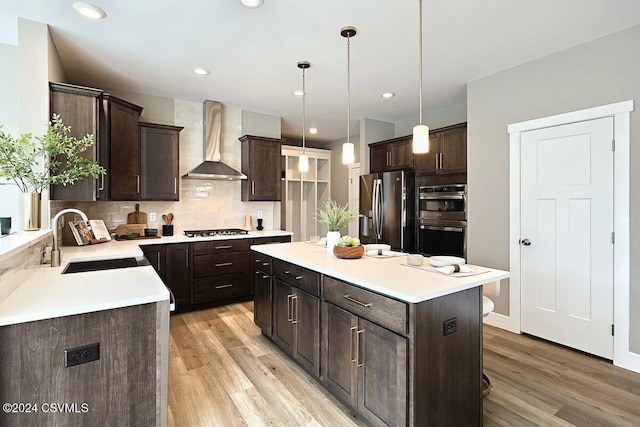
(378, 207)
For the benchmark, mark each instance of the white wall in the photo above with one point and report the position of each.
(258, 124)
(372, 131)
(600, 72)
(9, 119)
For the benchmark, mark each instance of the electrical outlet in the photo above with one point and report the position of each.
(79, 355)
(259, 214)
(450, 326)
(152, 216)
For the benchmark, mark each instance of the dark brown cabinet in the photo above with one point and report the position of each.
(121, 130)
(261, 163)
(178, 271)
(221, 270)
(159, 161)
(79, 107)
(296, 314)
(394, 154)
(262, 292)
(447, 152)
(155, 254)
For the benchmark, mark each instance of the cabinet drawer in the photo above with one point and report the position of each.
(271, 239)
(261, 262)
(221, 246)
(382, 310)
(297, 276)
(209, 265)
(220, 287)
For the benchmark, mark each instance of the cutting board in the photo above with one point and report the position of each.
(137, 217)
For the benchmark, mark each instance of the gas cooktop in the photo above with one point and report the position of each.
(215, 232)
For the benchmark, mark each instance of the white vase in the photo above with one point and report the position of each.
(333, 237)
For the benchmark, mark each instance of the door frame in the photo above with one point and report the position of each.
(621, 111)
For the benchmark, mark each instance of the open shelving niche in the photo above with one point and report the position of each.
(304, 193)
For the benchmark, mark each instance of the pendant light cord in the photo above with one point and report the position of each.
(348, 87)
(420, 44)
(304, 110)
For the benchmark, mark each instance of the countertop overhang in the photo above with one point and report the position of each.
(387, 276)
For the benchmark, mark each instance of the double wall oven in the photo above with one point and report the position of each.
(443, 220)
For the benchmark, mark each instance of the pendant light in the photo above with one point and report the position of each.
(303, 160)
(421, 132)
(348, 149)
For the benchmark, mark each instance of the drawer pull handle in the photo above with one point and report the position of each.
(287, 272)
(223, 264)
(265, 277)
(265, 264)
(223, 247)
(257, 260)
(228, 285)
(298, 277)
(360, 303)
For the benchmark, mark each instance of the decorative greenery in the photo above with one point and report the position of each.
(335, 216)
(21, 159)
(348, 241)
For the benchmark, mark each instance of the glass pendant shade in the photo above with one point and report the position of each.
(348, 153)
(421, 139)
(303, 163)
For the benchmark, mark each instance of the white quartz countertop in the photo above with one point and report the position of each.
(46, 293)
(387, 276)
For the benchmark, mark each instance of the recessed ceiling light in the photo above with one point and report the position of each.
(200, 71)
(252, 4)
(313, 131)
(388, 95)
(298, 92)
(89, 11)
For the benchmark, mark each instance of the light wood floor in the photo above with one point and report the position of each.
(223, 372)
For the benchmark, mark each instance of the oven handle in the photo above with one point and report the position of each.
(439, 228)
(442, 197)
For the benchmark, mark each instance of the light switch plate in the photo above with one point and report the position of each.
(259, 214)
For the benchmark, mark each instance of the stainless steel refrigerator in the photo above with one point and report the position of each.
(388, 210)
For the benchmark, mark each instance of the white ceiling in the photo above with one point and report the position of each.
(151, 46)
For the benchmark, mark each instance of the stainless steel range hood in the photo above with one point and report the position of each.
(212, 167)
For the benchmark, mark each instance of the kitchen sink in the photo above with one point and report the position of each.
(102, 264)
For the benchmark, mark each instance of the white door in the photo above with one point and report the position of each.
(566, 235)
(354, 196)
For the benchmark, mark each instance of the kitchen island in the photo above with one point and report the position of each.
(400, 345)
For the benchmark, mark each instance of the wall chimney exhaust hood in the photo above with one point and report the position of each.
(212, 167)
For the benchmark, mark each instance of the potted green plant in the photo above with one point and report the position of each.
(334, 216)
(53, 159)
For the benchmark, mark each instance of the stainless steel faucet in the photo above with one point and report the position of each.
(56, 257)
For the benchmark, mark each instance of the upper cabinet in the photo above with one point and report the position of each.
(159, 161)
(79, 107)
(261, 163)
(121, 130)
(447, 152)
(394, 154)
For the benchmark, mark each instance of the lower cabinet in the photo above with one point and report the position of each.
(296, 324)
(262, 292)
(178, 271)
(365, 365)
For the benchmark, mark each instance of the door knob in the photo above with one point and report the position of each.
(525, 242)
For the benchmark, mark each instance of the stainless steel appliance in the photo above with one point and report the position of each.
(215, 232)
(388, 209)
(443, 220)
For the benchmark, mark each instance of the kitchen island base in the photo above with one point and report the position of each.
(392, 362)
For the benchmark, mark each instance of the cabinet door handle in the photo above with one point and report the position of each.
(298, 277)
(294, 309)
(265, 264)
(390, 158)
(441, 160)
(158, 259)
(223, 264)
(253, 188)
(287, 272)
(186, 258)
(360, 332)
(265, 276)
(360, 303)
(175, 185)
(101, 187)
(138, 184)
(228, 285)
(289, 311)
(223, 247)
(351, 352)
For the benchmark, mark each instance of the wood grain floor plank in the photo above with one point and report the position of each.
(224, 372)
